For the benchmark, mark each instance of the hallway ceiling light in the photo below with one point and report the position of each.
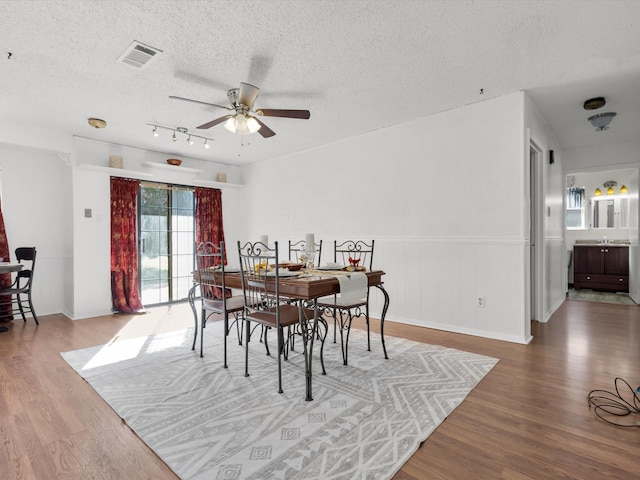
(601, 121)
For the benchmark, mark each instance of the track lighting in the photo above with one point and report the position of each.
(179, 130)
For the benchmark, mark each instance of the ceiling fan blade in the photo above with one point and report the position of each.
(275, 112)
(248, 94)
(215, 122)
(198, 101)
(265, 131)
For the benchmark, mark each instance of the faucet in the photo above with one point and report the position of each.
(604, 239)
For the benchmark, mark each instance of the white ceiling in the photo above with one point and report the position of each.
(357, 65)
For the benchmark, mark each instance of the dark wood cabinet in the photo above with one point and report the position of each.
(603, 267)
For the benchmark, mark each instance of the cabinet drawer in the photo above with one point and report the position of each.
(618, 283)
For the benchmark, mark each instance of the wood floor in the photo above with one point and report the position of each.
(528, 419)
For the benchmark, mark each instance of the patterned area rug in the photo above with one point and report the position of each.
(206, 422)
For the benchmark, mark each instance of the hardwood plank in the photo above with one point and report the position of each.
(528, 419)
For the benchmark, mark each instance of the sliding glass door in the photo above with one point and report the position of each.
(166, 236)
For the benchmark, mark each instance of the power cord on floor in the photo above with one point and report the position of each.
(610, 406)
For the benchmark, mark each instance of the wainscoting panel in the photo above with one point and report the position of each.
(437, 283)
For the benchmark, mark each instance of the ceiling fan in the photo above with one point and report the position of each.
(243, 118)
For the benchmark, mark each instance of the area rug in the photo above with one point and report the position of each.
(210, 423)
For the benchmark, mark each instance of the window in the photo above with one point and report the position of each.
(166, 222)
(575, 215)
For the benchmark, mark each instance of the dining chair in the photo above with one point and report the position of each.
(261, 276)
(296, 248)
(17, 297)
(356, 253)
(215, 297)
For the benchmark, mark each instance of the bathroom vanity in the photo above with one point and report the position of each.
(602, 266)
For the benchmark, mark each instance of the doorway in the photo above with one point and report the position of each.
(166, 234)
(535, 256)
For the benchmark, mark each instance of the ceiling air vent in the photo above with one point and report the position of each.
(138, 55)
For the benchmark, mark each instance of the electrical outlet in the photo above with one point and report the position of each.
(480, 301)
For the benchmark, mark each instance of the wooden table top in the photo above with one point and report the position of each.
(306, 287)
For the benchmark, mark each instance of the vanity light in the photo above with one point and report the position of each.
(623, 190)
(609, 188)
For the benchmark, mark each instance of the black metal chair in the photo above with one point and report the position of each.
(263, 304)
(358, 254)
(17, 298)
(215, 297)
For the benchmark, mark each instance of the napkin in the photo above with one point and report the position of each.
(353, 286)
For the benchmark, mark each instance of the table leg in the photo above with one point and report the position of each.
(384, 314)
(191, 297)
(308, 335)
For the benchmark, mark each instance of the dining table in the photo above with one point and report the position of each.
(8, 267)
(309, 286)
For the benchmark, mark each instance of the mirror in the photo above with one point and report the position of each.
(610, 212)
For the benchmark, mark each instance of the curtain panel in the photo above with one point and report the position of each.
(209, 216)
(125, 293)
(209, 227)
(5, 278)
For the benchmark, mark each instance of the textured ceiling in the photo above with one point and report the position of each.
(356, 65)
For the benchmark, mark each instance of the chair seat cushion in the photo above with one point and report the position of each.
(234, 304)
(288, 315)
(335, 301)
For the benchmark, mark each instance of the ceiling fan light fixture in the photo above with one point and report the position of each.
(242, 125)
(601, 121)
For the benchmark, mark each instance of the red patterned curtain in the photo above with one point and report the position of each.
(209, 216)
(124, 246)
(209, 227)
(5, 278)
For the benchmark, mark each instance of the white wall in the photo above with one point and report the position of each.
(91, 245)
(443, 198)
(36, 205)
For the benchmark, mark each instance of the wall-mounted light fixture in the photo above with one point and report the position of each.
(181, 130)
(610, 190)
